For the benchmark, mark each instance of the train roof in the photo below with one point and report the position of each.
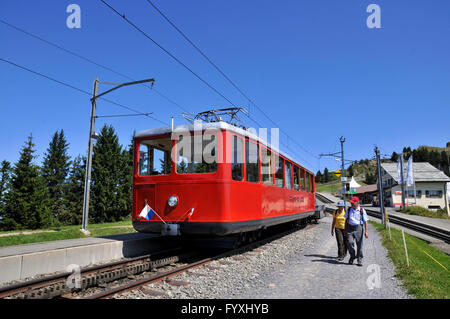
(210, 126)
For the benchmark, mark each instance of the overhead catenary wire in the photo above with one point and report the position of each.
(225, 76)
(76, 88)
(167, 52)
(89, 61)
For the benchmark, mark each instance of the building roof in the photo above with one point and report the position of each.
(423, 172)
(366, 189)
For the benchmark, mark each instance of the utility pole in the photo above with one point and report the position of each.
(93, 135)
(343, 179)
(380, 188)
(87, 181)
(402, 182)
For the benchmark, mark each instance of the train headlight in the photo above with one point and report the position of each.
(173, 201)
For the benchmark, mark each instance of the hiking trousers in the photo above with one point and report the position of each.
(355, 234)
(341, 242)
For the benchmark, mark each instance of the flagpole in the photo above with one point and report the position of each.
(414, 180)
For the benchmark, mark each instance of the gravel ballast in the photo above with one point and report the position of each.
(300, 265)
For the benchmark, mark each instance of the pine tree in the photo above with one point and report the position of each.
(350, 171)
(5, 176)
(318, 177)
(55, 168)
(326, 175)
(394, 157)
(445, 160)
(126, 181)
(74, 193)
(27, 203)
(108, 171)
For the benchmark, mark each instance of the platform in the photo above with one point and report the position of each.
(25, 261)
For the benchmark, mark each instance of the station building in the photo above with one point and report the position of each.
(431, 186)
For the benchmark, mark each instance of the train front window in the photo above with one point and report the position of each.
(154, 157)
(196, 155)
(237, 166)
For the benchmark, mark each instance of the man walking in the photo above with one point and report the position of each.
(356, 224)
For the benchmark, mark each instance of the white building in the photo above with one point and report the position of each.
(431, 186)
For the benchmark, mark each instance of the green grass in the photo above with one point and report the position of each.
(428, 274)
(421, 211)
(331, 187)
(67, 232)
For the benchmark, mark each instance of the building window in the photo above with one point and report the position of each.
(279, 171)
(252, 161)
(266, 166)
(433, 194)
(411, 194)
(237, 165)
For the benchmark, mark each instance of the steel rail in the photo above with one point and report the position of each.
(157, 278)
(42, 287)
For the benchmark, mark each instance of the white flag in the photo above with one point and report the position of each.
(410, 174)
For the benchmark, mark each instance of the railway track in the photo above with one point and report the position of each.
(426, 229)
(174, 272)
(58, 285)
(104, 276)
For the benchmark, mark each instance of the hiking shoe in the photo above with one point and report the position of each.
(340, 258)
(359, 262)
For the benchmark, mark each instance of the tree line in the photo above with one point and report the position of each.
(34, 196)
(439, 159)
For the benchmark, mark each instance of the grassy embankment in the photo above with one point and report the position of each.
(65, 232)
(428, 274)
(421, 211)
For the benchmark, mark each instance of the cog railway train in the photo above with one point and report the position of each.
(237, 184)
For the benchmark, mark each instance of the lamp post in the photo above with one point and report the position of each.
(93, 135)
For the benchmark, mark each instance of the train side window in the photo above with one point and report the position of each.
(237, 165)
(204, 161)
(252, 161)
(288, 175)
(307, 182)
(266, 166)
(296, 178)
(302, 179)
(279, 171)
(154, 157)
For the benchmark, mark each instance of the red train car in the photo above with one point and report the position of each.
(237, 183)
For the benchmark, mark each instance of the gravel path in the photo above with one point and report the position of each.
(316, 273)
(300, 265)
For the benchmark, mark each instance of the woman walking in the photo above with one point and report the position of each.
(338, 226)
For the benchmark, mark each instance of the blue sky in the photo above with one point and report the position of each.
(313, 66)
